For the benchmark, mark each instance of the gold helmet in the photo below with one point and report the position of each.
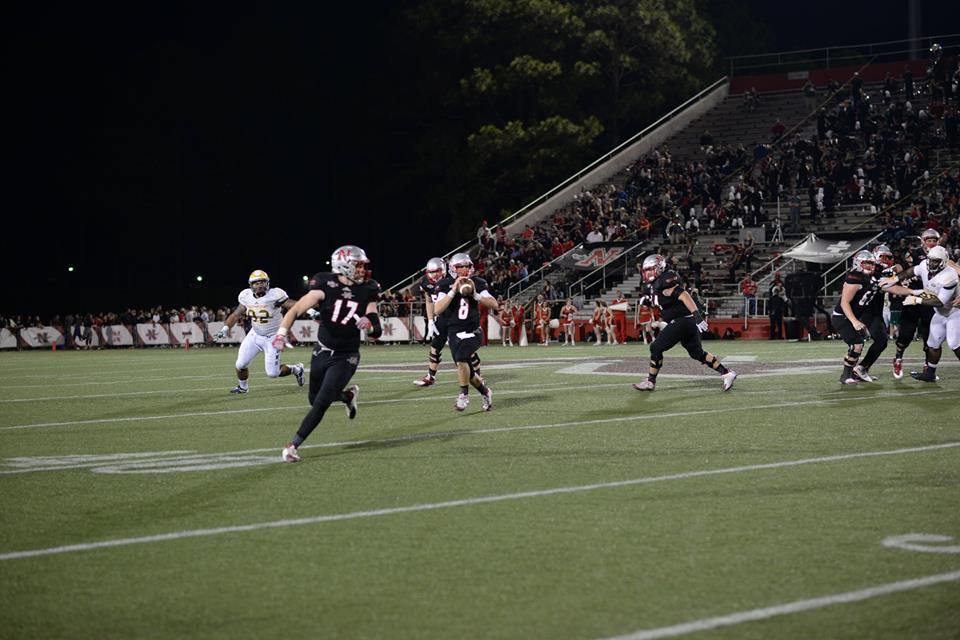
(259, 282)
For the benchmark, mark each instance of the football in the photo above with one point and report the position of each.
(466, 288)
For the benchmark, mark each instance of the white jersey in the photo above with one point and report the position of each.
(265, 312)
(943, 285)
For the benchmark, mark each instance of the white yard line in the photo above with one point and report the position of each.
(466, 502)
(797, 606)
(533, 390)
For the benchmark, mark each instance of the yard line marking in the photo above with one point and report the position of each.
(465, 502)
(175, 416)
(764, 613)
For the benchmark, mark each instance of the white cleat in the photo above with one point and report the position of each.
(861, 373)
(462, 402)
(238, 389)
(352, 405)
(897, 368)
(488, 400)
(298, 373)
(425, 381)
(646, 385)
(289, 454)
(728, 379)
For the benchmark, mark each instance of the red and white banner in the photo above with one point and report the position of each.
(41, 336)
(152, 334)
(303, 331)
(183, 331)
(80, 342)
(493, 329)
(116, 335)
(235, 334)
(419, 327)
(7, 339)
(394, 330)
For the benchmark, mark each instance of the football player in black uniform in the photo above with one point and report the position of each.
(348, 305)
(860, 290)
(459, 298)
(915, 318)
(436, 326)
(872, 316)
(684, 324)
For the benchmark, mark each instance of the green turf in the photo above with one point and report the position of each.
(452, 525)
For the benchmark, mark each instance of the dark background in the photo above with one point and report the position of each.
(151, 145)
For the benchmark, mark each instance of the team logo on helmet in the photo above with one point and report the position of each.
(259, 282)
(653, 265)
(351, 262)
(461, 266)
(435, 268)
(883, 255)
(864, 262)
(936, 260)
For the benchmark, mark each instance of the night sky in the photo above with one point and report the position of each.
(244, 139)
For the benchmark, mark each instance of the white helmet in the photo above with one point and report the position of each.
(259, 282)
(435, 268)
(653, 265)
(937, 260)
(461, 261)
(351, 262)
(862, 259)
(883, 255)
(930, 235)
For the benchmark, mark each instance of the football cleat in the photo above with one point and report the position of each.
(728, 379)
(861, 373)
(849, 380)
(425, 381)
(646, 385)
(462, 402)
(289, 453)
(927, 375)
(238, 389)
(897, 368)
(354, 392)
(298, 373)
(488, 400)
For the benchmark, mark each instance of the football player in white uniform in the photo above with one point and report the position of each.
(939, 280)
(264, 306)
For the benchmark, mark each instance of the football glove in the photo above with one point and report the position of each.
(888, 281)
(910, 301)
(432, 330)
(702, 326)
(363, 323)
(313, 314)
(279, 342)
(220, 335)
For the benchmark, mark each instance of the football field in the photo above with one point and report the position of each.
(139, 499)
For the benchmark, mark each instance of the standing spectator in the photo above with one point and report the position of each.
(778, 129)
(810, 95)
(907, 82)
(794, 212)
(775, 307)
(619, 307)
(484, 235)
(748, 287)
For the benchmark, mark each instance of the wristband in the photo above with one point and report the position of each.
(282, 331)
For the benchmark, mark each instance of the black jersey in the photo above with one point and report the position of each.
(430, 288)
(463, 314)
(866, 296)
(342, 305)
(671, 307)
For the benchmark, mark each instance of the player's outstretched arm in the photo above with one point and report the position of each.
(230, 322)
(308, 301)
